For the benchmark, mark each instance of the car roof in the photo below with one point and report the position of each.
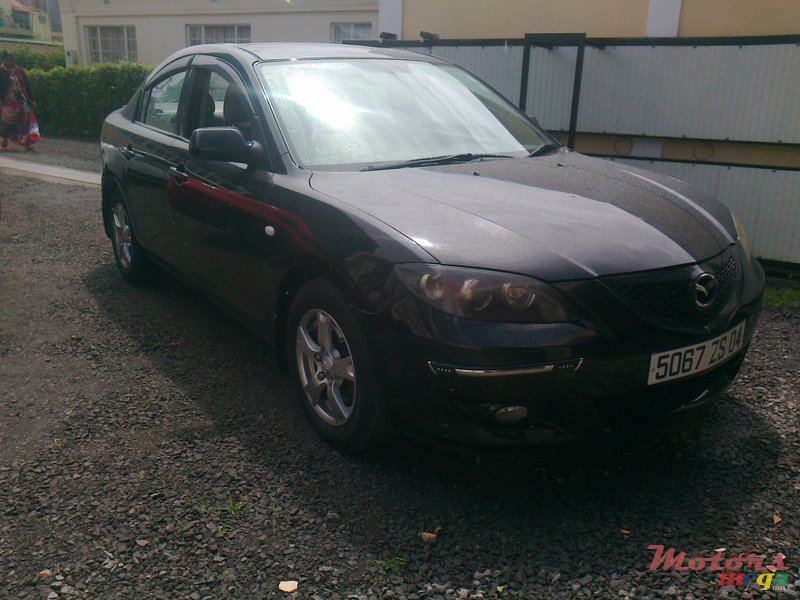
(280, 51)
(268, 51)
(273, 51)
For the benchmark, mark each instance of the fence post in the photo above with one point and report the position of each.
(550, 41)
(526, 69)
(576, 93)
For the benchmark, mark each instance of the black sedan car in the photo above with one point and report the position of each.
(424, 257)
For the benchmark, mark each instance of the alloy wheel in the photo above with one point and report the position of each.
(123, 237)
(325, 366)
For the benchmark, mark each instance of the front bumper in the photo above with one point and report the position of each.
(447, 378)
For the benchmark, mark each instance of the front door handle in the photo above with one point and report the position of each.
(178, 174)
(127, 152)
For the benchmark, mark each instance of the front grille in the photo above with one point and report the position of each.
(727, 282)
(668, 296)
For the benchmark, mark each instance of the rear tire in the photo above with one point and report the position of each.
(132, 261)
(330, 368)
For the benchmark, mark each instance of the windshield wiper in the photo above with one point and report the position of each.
(545, 149)
(446, 159)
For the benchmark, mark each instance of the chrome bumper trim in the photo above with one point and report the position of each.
(504, 372)
(571, 365)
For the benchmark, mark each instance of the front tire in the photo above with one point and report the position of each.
(132, 262)
(331, 371)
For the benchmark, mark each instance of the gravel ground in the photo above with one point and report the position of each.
(150, 448)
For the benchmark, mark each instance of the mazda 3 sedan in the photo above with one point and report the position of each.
(424, 257)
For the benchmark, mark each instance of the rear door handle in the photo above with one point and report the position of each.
(127, 152)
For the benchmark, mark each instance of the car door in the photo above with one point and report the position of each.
(220, 207)
(147, 151)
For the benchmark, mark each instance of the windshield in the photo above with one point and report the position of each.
(343, 114)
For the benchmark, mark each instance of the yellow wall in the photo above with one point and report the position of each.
(465, 19)
(703, 18)
(41, 30)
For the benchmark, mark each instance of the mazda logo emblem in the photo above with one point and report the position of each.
(705, 290)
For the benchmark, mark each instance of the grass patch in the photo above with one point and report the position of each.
(783, 297)
(393, 565)
(234, 508)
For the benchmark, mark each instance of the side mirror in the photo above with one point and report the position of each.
(223, 143)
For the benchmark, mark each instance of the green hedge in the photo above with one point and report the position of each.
(75, 101)
(28, 59)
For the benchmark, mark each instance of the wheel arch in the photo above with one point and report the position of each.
(291, 283)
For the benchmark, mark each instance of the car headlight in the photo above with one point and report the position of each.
(484, 295)
(741, 237)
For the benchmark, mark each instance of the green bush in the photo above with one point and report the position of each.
(76, 100)
(39, 60)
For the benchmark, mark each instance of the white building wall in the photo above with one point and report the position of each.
(161, 24)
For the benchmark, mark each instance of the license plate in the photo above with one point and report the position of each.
(690, 360)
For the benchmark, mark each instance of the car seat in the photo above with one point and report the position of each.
(236, 111)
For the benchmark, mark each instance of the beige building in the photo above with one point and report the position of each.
(147, 31)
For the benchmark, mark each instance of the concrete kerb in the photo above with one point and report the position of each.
(13, 166)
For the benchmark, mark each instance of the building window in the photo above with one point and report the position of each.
(217, 34)
(111, 44)
(350, 31)
(54, 12)
(22, 20)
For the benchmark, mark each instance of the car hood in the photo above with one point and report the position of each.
(557, 217)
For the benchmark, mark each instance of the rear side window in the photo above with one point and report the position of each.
(162, 102)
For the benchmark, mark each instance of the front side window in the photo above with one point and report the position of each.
(162, 101)
(350, 31)
(359, 112)
(111, 44)
(217, 34)
(218, 100)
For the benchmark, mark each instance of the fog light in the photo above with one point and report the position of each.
(511, 414)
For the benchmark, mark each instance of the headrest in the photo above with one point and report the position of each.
(235, 108)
